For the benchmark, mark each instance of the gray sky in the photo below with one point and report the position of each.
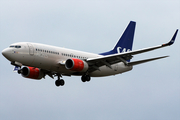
(150, 91)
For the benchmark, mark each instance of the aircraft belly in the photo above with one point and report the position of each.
(60, 69)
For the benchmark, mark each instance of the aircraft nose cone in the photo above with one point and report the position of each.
(8, 54)
(5, 53)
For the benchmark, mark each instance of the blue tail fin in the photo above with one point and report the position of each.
(125, 42)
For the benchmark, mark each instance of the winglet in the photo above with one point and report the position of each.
(172, 40)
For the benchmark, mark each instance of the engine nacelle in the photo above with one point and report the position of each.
(32, 72)
(75, 64)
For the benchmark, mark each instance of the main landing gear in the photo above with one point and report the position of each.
(85, 78)
(59, 82)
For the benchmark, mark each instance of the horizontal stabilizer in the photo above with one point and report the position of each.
(146, 60)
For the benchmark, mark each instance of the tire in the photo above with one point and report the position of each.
(57, 83)
(88, 78)
(83, 78)
(62, 82)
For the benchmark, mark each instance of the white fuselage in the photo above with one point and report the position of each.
(52, 58)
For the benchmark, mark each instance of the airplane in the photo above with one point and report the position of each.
(35, 60)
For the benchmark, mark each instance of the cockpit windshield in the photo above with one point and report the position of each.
(15, 46)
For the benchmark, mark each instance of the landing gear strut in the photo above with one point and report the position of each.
(59, 82)
(85, 78)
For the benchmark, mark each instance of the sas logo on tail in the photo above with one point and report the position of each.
(120, 50)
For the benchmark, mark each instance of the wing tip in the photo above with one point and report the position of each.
(172, 40)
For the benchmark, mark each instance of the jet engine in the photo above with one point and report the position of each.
(32, 72)
(75, 64)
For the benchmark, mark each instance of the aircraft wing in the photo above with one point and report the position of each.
(108, 60)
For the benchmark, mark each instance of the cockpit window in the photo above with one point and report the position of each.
(15, 46)
(11, 46)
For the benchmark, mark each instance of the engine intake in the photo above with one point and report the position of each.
(31, 72)
(75, 64)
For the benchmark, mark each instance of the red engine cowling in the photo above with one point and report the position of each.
(75, 64)
(32, 72)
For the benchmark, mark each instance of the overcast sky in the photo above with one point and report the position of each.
(150, 91)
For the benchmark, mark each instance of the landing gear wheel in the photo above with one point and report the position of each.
(62, 82)
(85, 78)
(19, 71)
(88, 78)
(59, 82)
